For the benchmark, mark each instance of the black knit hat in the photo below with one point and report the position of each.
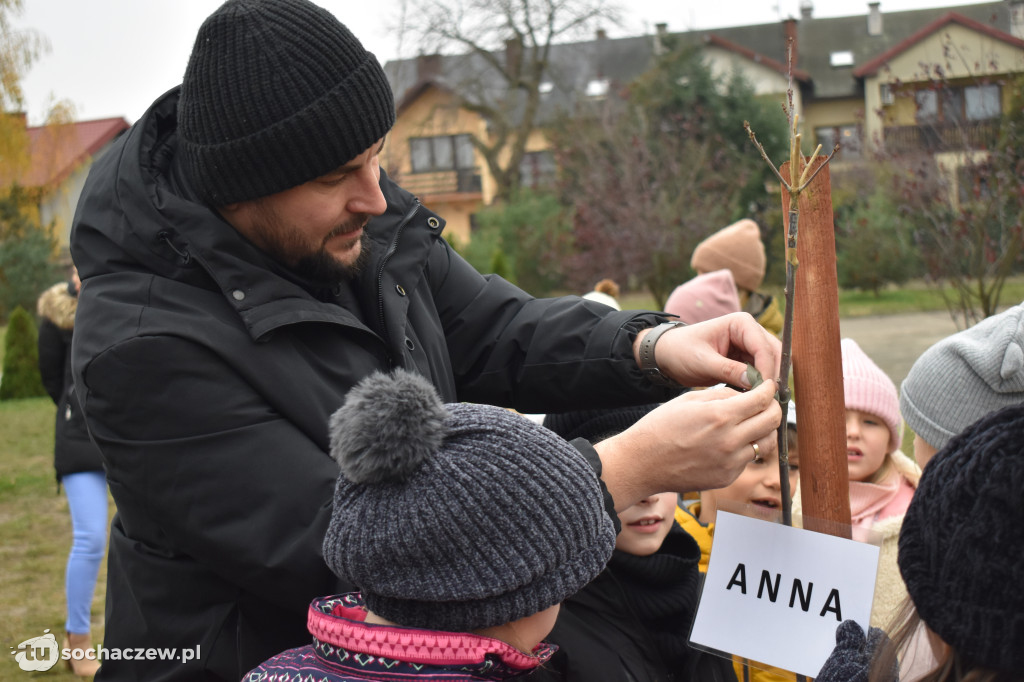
(276, 93)
(961, 547)
(595, 425)
(458, 517)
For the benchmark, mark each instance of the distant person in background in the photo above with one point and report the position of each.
(606, 291)
(78, 466)
(962, 378)
(704, 297)
(739, 249)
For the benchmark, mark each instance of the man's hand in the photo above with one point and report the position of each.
(716, 351)
(698, 441)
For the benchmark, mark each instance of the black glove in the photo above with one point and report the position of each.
(851, 660)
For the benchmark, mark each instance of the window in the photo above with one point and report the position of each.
(927, 106)
(444, 152)
(536, 169)
(597, 89)
(841, 58)
(886, 94)
(959, 104)
(848, 137)
(982, 102)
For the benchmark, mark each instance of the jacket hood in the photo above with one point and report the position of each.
(131, 214)
(57, 305)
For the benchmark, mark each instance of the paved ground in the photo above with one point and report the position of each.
(894, 342)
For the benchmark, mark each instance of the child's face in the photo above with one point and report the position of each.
(645, 524)
(757, 485)
(867, 444)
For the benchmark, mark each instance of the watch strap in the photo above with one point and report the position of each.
(648, 364)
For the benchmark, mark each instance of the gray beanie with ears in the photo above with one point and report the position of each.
(964, 377)
(461, 516)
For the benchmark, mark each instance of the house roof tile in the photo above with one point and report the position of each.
(56, 151)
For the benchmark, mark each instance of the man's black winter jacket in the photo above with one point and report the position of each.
(207, 373)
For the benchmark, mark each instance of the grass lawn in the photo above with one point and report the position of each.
(913, 297)
(36, 531)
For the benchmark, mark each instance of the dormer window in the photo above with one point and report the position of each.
(841, 58)
(597, 88)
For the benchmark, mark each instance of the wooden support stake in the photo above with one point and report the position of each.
(817, 362)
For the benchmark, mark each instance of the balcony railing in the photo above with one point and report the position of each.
(463, 181)
(935, 137)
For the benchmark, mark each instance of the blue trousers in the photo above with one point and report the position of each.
(87, 500)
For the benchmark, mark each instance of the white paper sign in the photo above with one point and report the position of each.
(776, 594)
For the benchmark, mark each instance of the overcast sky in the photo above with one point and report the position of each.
(114, 57)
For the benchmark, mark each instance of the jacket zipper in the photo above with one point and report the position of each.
(406, 219)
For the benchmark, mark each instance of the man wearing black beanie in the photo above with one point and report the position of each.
(245, 262)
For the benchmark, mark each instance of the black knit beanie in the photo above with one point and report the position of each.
(458, 517)
(961, 547)
(276, 93)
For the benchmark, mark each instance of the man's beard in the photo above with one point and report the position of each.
(315, 265)
(320, 267)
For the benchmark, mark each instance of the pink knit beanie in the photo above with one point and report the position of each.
(737, 248)
(704, 297)
(868, 389)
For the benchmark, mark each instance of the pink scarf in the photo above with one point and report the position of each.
(872, 502)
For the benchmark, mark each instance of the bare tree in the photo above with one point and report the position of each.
(659, 166)
(504, 62)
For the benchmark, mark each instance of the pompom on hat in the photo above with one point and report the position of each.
(276, 93)
(704, 297)
(461, 516)
(868, 389)
(601, 297)
(964, 377)
(737, 248)
(962, 540)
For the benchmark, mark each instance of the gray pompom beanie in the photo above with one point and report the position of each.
(964, 377)
(276, 93)
(461, 516)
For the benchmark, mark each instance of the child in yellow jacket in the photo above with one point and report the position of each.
(758, 485)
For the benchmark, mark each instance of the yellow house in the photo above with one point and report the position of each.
(941, 89)
(863, 69)
(430, 153)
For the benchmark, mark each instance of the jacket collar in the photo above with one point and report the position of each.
(338, 630)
